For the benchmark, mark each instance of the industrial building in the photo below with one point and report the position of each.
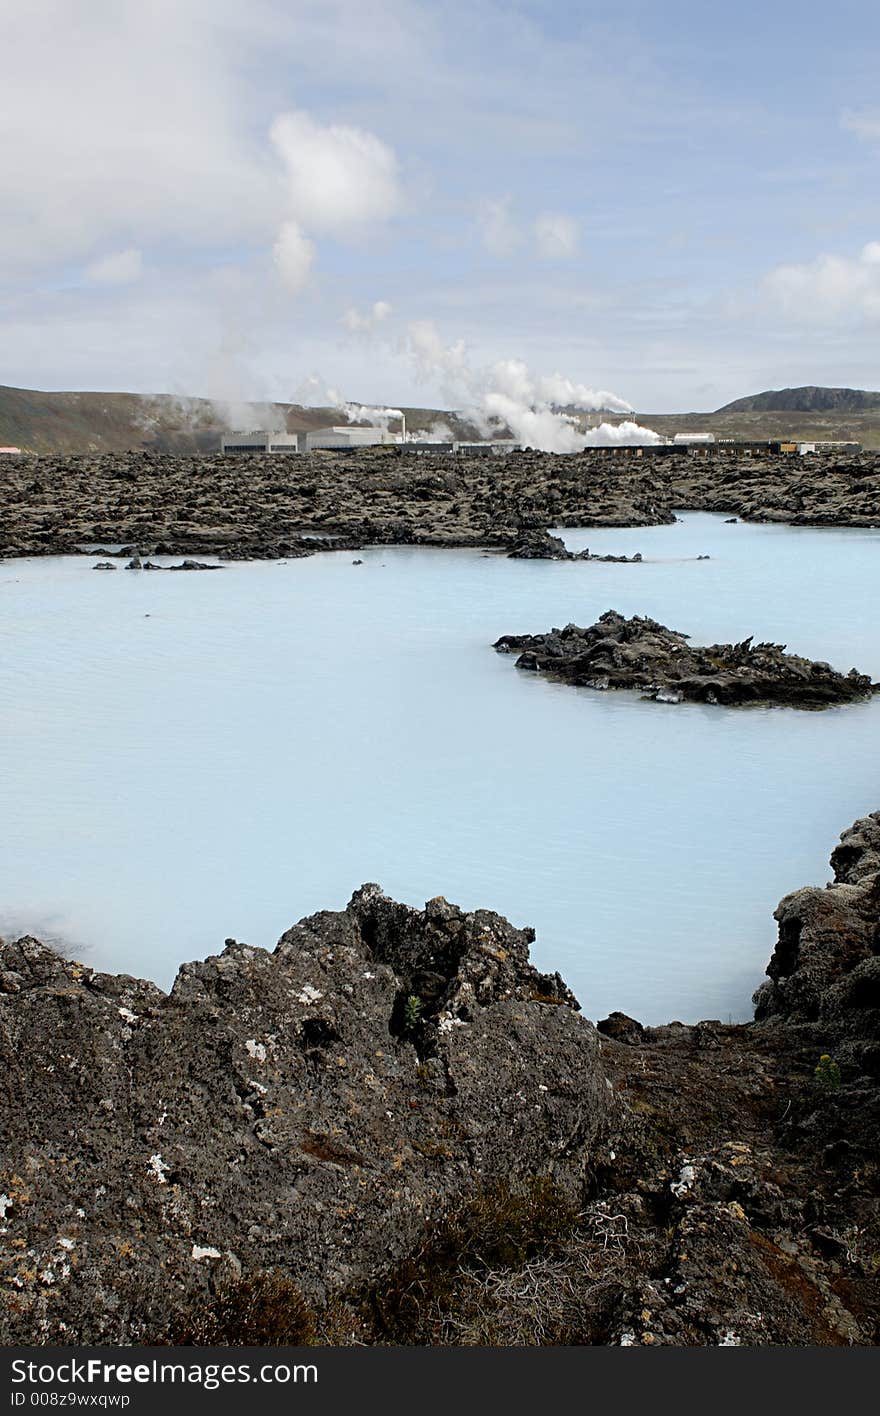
(827, 446)
(346, 438)
(498, 448)
(419, 449)
(339, 439)
(261, 442)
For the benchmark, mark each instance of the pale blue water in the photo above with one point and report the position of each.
(186, 757)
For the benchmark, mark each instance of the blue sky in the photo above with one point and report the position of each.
(674, 201)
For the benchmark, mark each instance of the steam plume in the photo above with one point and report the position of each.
(532, 406)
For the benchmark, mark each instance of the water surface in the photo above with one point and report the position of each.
(187, 757)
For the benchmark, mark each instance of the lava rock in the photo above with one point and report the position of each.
(308, 1109)
(639, 653)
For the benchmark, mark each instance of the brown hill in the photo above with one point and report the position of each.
(62, 423)
(126, 422)
(808, 399)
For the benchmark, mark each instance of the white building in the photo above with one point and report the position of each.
(823, 446)
(347, 437)
(261, 442)
(693, 439)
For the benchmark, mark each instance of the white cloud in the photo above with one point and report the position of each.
(357, 323)
(121, 268)
(340, 180)
(829, 286)
(146, 128)
(499, 232)
(125, 129)
(864, 122)
(293, 254)
(149, 127)
(556, 236)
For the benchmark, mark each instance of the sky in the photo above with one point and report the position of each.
(401, 201)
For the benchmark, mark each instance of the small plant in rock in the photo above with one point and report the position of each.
(412, 1014)
(827, 1073)
(258, 1310)
(497, 1228)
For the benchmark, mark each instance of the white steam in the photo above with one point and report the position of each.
(313, 392)
(293, 254)
(438, 431)
(531, 405)
(366, 413)
(542, 411)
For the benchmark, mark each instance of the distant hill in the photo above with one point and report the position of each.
(809, 399)
(130, 422)
(63, 423)
(107, 422)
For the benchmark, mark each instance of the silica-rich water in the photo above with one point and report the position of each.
(187, 757)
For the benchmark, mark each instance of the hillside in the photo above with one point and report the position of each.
(862, 428)
(809, 399)
(132, 422)
(60, 423)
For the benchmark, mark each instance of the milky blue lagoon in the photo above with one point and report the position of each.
(187, 757)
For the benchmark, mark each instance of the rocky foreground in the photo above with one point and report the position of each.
(274, 506)
(394, 1129)
(823, 489)
(639, 653)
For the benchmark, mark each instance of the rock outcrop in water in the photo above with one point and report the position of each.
(639, 653)
(394, 1129)
(826, 965)
(540, 545)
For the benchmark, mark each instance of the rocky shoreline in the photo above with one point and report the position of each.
(395, 1129)
(638, 653)
(264, 507)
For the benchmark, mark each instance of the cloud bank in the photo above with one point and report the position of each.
(121, 268)
(829, 287)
